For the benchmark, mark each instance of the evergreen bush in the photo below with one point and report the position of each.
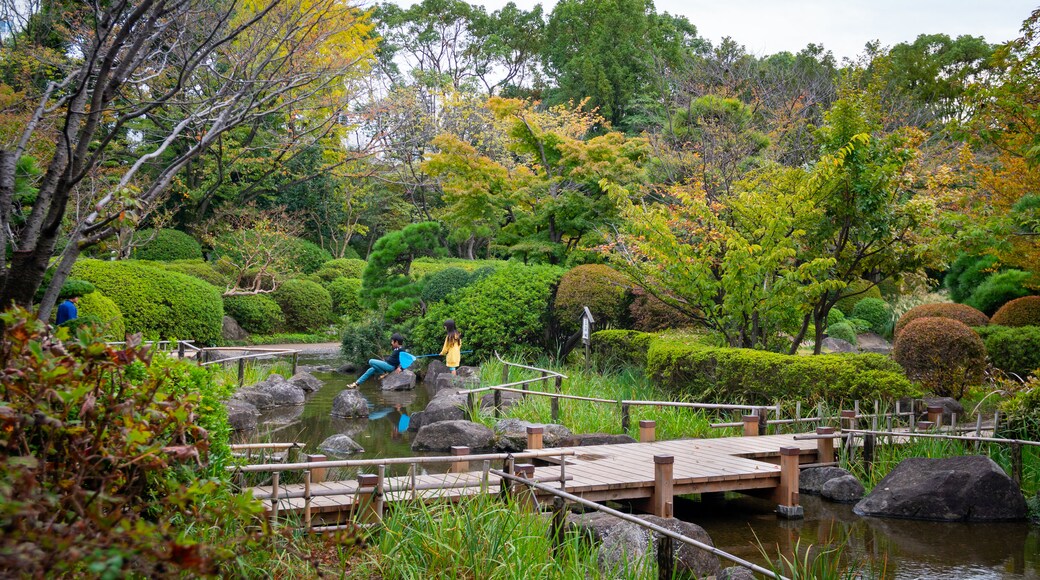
(197, 269)
(835, 316)
(999, 289)
(438, 285)
(307, 305)
(649, 313)
(843, 331)
(73, 288)
(367, 338)
(960, 312)
(624, 346)
(1012, 349)
(856, 290)
(309, 256)
(875, 311)
(165, 245)
(341, 268)
(1023, 311)
(346, 297)
(603, 289)
(425, 266)
(157, 303)
(967, 273)
(105, 310)
(945, 355)
(255, 313)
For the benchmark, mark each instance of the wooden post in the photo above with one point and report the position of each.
(241, 372)
(665, 558)
(295, 362)
(507, 467)
(661, 501)
(625, 419)
(935, 415)
(559, 522)
(798, 415)
(380, 495)
(555, 401)
(307, 500)
(786, 494)
(317, 473)
(1016, 462)
(763, 414)
(534, 437)
(647, 431)
(180, 349)
(524, 495)
(368, 483)
(274, 496)
(848, 420)
(824, 446)
(505, 373)
(924, 425)
(498, 403)
(460, 465)
(750, 425)
(868, 451)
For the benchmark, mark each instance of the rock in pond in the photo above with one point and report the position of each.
(811, 480)
(450, 382)
(402, 381)
(969, 489)
(735, 573)
(241, 415)
(583, 439)
(445, 406)
(844, 489)
(282, 392)
(434, 369)
(306, 382)
(340, 445)
(349, 403)
(621, 542)
(512, 434)
(444, 435)
(258, 399)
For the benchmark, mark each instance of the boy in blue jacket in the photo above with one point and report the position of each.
(391, 364)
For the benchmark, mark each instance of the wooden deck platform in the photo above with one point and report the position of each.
(597, 473)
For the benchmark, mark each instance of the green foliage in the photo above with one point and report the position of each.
(627, 347)
(858, 325)
(73, 288)
(959, 312)
(649, 313)
(603, 289)
(341, 268)
(854, 292)
(157, 303)
(365, 339)
(198, 269)
(165, 245)
(999, 289)
(255, 313)
(1023, 311)
(437, 286)
(835, 316)
(967, 273)
(346, 297)
(308, 256)
(733, 375)
(842, 330)
(307, 306)
(386, 282)
(109, 317)
(1013, 350)
(506, 311)
(945, 355)
(1022, 412)
(875, 311)
(423, 267)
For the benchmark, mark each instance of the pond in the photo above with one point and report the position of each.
(900, 549)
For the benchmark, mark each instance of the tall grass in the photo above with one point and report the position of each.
(254, 372)
(813, 562)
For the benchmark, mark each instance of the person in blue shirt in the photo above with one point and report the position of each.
(391, 364)
(67, 310)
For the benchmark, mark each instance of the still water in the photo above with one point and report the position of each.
(895, 549)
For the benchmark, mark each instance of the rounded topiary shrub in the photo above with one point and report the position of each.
(306, 305)
(856, 290)
(255, 313)
(1019, 312)
(945, 355)
(105, 310)
(960, 312)
(1013, 349)
(438, 285)
(603, 289)
(998, 290)
(843, 331)
(346, 297)
(309, 256)
(341, 268)
(73, 287)
(157, 303)
(165, 245)
(875, 311)
(197, 269)
(649, 313)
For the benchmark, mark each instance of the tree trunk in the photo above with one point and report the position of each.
(801, 334)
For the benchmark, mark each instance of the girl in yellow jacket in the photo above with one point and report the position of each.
(452, 350)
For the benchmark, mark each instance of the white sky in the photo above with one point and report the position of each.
(842, 26)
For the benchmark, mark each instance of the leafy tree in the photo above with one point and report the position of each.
(936, 70)
(385, 282)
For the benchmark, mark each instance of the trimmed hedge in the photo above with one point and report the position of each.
(999, 289)
(603, 289)
(105, 310)
(842, 331)
(875, 311)
(852, 294)
(649, 314)
(346, 297)
(944, 354)
(341, 268)
(157, 303)
(424, 266)
(73, 287)
(166, 245)
(255, 313)
(1019, 312)
(307, 305)
(732, 375)
(1013, 350)
(197, 269)
(438, 285)
(626, 346)
(959, 312)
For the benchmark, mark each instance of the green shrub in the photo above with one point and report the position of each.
(835, 316)
(438, 285)
(422, 267)
(255, 313)
(967, 273)
(309, 256)
(341, 268)
(706, 373)
(367, 338)
(346, 297)
(649, 313)
(960, 312)
(945, 355)
(856, 290)
(843, 331)
(999, 289)
(305, 257)
(1012, 349)
(107, 313)
(1022, 413)
(165, 245)
(875, 311)
(73, 288)
(197, 269)
(507, 311)
(307, 306)
(603, 289)
(387, 282)
(1019, 312)
(157, 303)
(624, 346)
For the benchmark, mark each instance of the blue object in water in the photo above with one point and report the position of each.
(402, 425)
(379, 414)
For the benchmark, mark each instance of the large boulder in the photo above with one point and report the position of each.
(450, 382)
(845, 489)
(306, 382)
(445, 406)
(230, 330)
(690, 561)
(402, 381)
(831, 344)
(620, 542)
(735, 573)
(241, 415)
(347, 368)
(811, 480)
(873, 342)
(970, 488)
(341, 445)
(434, 369)
(444, 435)
(258, 399)
(583, 439)
(512, 434)
(349, 403)
(282, 393)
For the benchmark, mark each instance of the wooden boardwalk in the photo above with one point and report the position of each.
(597, 473)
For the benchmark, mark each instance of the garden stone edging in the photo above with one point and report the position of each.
(444, 435)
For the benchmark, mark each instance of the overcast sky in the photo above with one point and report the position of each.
(842, 26)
